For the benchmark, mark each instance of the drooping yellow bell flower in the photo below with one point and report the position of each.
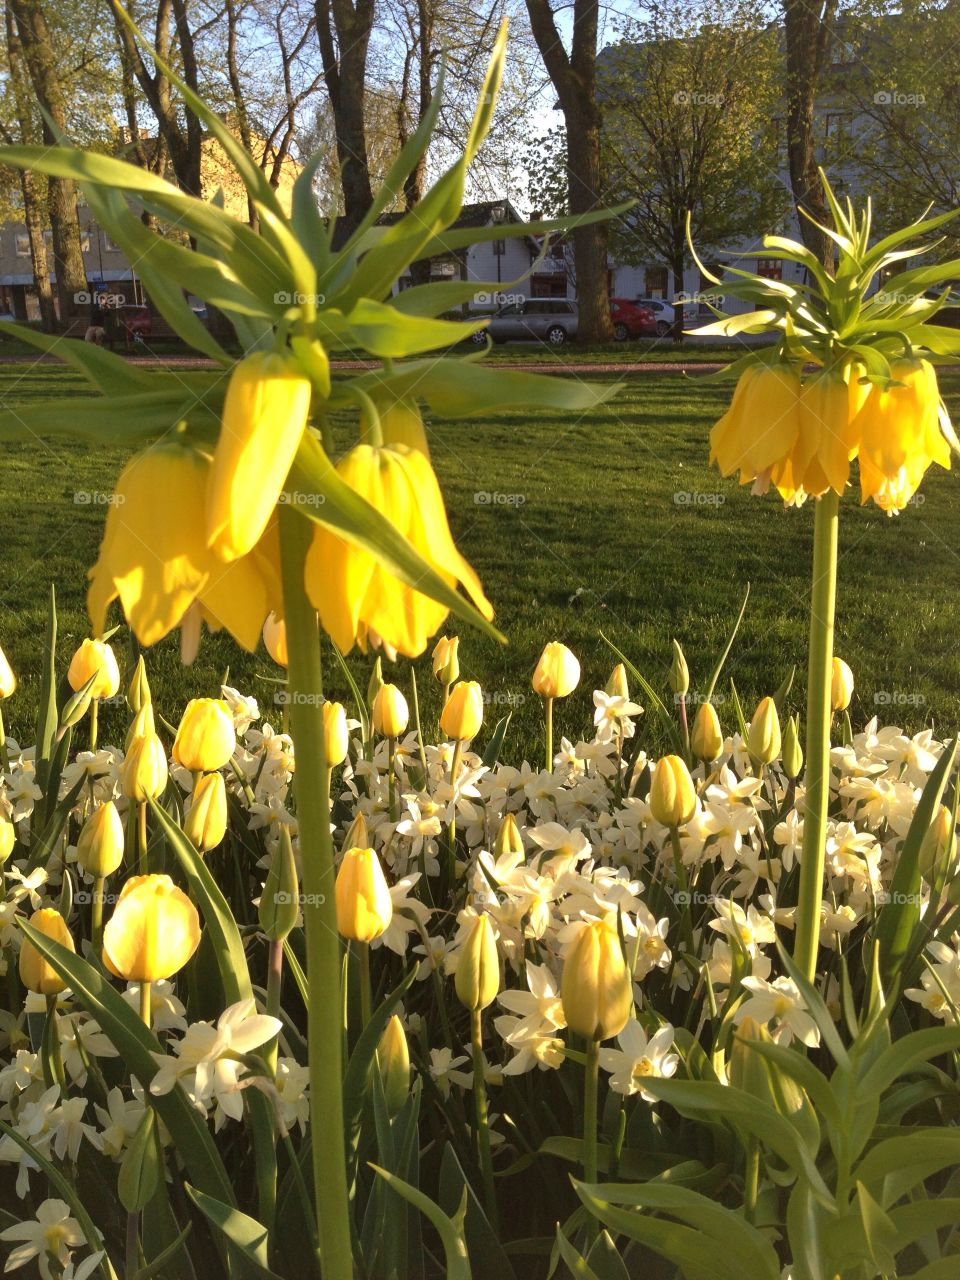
(206, 821)
(96, 660)
(761, 426)
(206, 738)
(364, 905)
(153, 932)
(359, 601)
(36, 972)
(595, 987)
(155, 557)
(264, 415)
(402, 423)
(899, 435)
(557, 672)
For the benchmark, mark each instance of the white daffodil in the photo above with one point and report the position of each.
(780, 1003)
(638, 1059)
(48, 1237)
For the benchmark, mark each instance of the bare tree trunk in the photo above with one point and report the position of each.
(807, 25)
(40, 60)
(343, 30)
(574, 77)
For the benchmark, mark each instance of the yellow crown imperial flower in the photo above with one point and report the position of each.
(153, 932)
(898, 430)
(264, 416)
(595, 988)
(761, 426)
(206, 822)
(364, 905)
(462, 714)
(206, 738)
(94, 660)
(358, 600)
(36, 972)
(154, 555)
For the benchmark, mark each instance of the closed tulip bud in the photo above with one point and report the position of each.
(264, 416)
(679, 674)
(275, 639)
(364, 905)
(390, 714)
(100, 845)
(206, 738)
(462, 716)
(763, 736)
(336, 735)
(841, 685)
(153, 932)
(673, 797)
(509, 839)
(8, 838)
(792, 751)
(142, 725)
(595, 989)
(557, 673)
(375, 682)
(938, 850)
(36, 972)
(206, 822)
(144, 772)
(280, 900)
(446, 661)
(393, 1058)
(356, 837)
(138, 690)
(8, 681)
(477, 979)
(706, 736)
(95, 660)
(750, 1071)
(617, 686)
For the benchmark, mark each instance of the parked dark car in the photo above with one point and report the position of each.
(631, 320)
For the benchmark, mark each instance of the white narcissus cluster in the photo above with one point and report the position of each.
(591, 850)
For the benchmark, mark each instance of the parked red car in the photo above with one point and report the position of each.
(135, 321)
(630, 320)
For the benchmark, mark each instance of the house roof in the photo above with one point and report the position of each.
(477, 214)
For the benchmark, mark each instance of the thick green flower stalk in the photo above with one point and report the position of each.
(872, 397)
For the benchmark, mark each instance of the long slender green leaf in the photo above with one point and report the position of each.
(450, 1230)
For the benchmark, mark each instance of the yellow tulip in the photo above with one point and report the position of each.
(462, 715)
(336, 735)
(206, 822)
(153, 932)
(154, 555)
(143, 775)
(206, 739)
(8, 681)
(761, 426)
(763, 735)
(792, 751)
(389, 712)
(264, 417)
(557, 672)
(446, 661)
(36, 973)
(673, 797)
(275, 639)
(617, 686)
(94, 660)
(358, 600)
(100, 844)
(8, 839)
(938, 850)
(899, 435)
(364, 905)
(393, 1058)
(679, 672)
(477, 979)
(706, 736)
(138, 691)
(142, 725)
(841, 685)
(509, 839)
(595, 988)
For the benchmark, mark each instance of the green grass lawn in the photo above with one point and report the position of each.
(610, 521)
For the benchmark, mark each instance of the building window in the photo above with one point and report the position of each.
(84, 241)
(770, 268)
(548, 284)
(557, 250)
(22, 241)
(836, 126)
(655, 282)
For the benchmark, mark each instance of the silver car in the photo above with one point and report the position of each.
(550, 320)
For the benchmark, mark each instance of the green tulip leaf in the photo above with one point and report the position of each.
(246, 1238)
